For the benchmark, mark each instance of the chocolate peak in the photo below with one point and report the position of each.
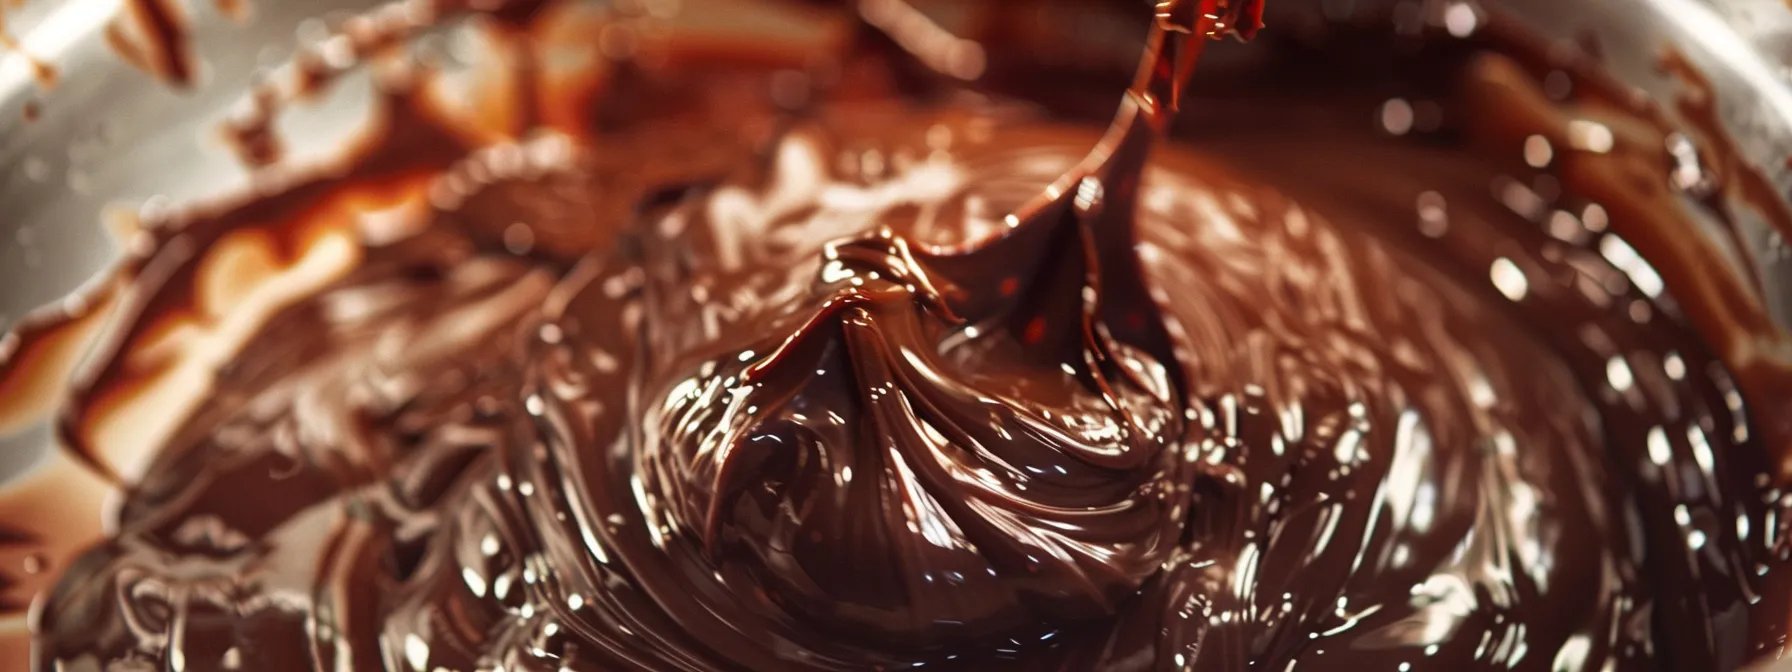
(1018, 463)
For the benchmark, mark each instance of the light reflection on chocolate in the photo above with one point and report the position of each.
(677, 378)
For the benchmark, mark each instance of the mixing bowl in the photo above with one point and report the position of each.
(103, 135)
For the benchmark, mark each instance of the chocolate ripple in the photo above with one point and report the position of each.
(773, 391)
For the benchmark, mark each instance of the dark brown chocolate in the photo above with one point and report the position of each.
(1361, 370)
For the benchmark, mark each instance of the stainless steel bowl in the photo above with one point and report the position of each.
(107, 136)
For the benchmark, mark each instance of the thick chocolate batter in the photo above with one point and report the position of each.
(713, 366)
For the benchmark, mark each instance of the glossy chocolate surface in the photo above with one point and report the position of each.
(711, 368)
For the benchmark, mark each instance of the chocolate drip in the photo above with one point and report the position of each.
(152, 35)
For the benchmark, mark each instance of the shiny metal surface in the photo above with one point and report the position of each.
(110, 136)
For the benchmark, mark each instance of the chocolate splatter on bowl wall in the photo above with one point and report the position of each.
(643, 345)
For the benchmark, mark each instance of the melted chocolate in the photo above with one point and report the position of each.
(153, 36)
(695, 378)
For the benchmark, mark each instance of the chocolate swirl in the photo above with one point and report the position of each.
(1009, 414)
(1019, 463)
(699, 384)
